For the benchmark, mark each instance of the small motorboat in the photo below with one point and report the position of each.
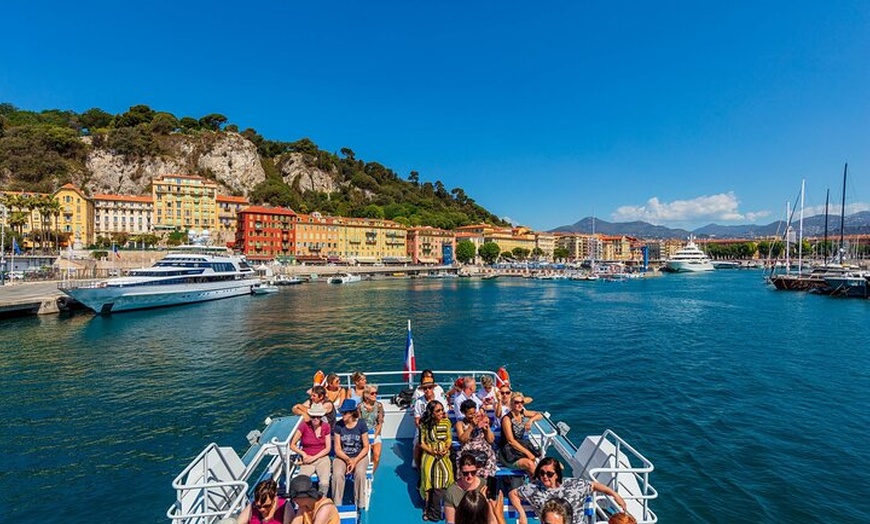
(263, 289)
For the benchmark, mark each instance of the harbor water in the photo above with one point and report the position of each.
(753, 404)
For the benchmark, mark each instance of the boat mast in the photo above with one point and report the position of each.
(788, 236)
(843, 213)
(825, 245)
(801, 231)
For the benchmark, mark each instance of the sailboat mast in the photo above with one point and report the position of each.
(843, 213)
(801, 231)
(825, 244)
(788, 235)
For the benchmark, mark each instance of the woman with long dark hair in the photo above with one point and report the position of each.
(436, 472)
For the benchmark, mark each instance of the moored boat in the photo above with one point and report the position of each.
(263, 289)
(189, 274)
(347, 278)
(284, 280)
(689, 259)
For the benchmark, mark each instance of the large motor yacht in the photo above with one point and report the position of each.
(689, 259)
(192, 274)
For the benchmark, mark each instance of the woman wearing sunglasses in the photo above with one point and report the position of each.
(266, 507)
(468, 480)
(515, 449)
(549, 484)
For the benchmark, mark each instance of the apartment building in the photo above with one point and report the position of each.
(76, 219)
(430, 245)
(266, 233)
(184, 202)
(122, 214)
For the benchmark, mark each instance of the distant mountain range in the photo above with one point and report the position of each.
(856, 224)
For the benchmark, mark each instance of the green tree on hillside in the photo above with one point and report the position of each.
(213, 121)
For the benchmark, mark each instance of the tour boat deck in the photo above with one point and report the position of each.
(218, 483)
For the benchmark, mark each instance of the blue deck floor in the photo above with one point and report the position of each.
(395, 497)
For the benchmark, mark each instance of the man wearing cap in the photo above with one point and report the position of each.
(314, 508)
(351, 445)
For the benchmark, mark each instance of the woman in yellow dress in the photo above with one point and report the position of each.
(436, 472)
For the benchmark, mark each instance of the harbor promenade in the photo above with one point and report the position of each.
(29, 298)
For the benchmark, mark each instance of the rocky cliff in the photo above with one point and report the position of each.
(227, 158)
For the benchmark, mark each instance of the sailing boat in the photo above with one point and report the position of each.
(815, 280)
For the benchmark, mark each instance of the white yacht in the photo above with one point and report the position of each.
(191, 274)
(689, 259)
(347, 278)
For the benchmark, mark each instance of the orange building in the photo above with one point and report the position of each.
(426, 245)
(266, 233)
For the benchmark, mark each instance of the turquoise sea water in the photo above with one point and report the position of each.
(754, 405)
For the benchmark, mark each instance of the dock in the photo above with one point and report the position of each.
(29, 298)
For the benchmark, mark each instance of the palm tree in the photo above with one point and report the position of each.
(55, 209)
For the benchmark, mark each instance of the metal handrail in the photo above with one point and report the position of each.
(201, 460)
(648, 492)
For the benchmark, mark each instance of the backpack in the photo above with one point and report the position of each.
(404, 398)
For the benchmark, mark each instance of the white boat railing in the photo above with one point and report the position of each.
(205, 494)
(635, 488)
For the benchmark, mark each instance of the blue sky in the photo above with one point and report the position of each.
(678, 113)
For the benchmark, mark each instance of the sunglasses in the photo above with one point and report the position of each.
(519, 402)
(505, 392)
(548, 474)
(265, 503)
(469, 473)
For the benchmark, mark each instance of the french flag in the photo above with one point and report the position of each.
(410, 360)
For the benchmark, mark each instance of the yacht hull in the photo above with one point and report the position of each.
(114, 299)
(689, 267)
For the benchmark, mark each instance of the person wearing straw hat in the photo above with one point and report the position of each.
(314, 508)
(313, 443)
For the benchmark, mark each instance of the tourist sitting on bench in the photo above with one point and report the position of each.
(313, 443)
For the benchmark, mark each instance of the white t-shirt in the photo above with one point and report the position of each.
(439, 394)
(460, 398)
(420, 406)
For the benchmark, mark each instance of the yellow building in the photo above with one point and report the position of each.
(76, 218)
(546, 242)
(317, 239)
(581, 246)
(371, 240)
(22, 214)
(617, 248)
(122, 214)
(184, 202)
(510, 238)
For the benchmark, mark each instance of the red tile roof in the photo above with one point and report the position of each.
(232, 199)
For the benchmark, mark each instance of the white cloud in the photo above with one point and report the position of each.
(722, 207)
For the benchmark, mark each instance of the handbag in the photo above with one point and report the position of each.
(508, 455)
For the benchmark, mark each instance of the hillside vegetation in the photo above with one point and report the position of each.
(102, 152)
